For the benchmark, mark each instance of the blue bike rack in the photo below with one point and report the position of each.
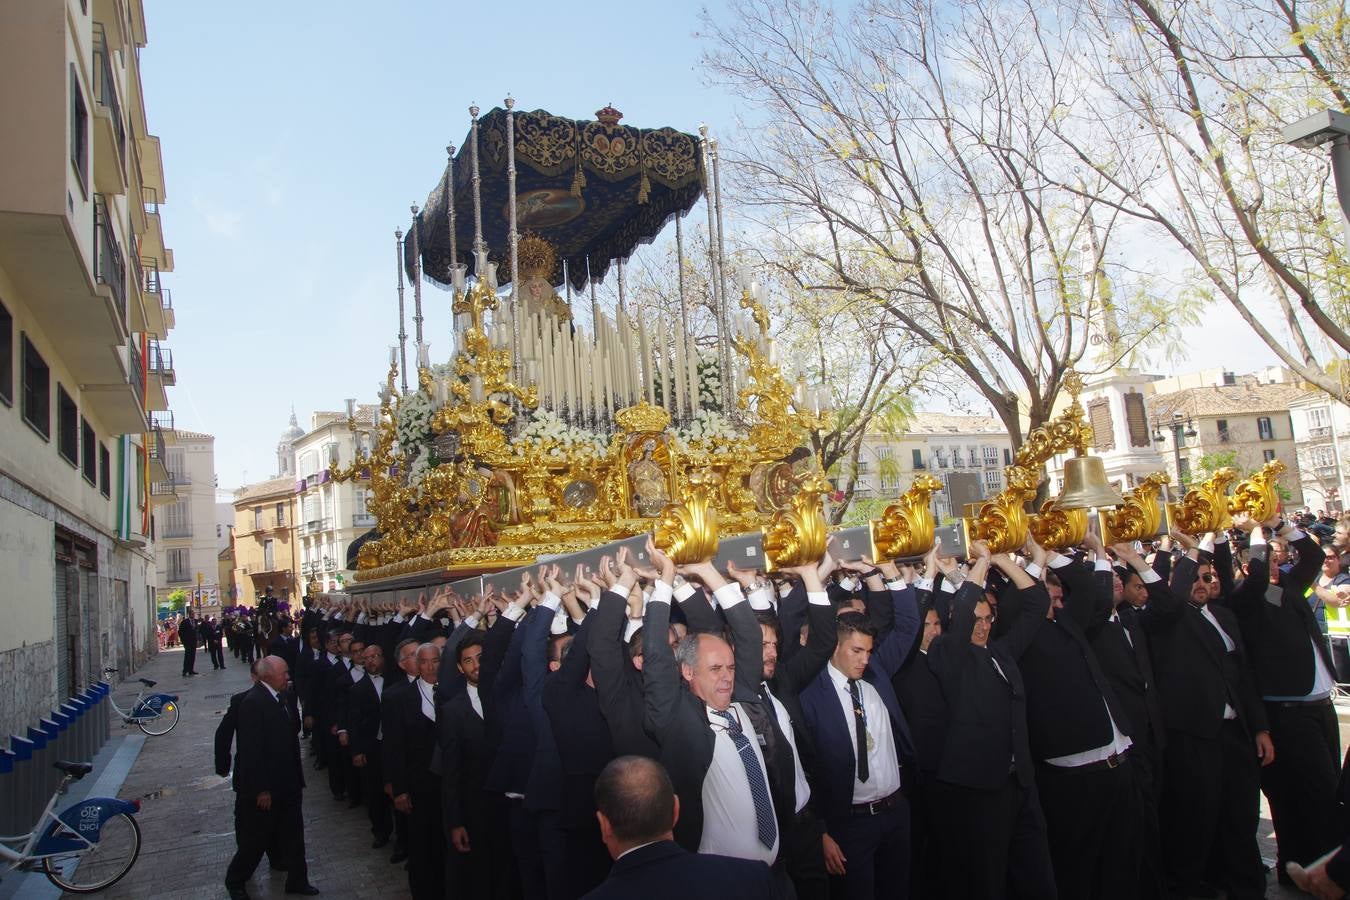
(9, 795)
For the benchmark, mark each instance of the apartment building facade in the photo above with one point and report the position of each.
(186, 547)
(265, 546)
(967, 453)
(332, 514)
(82, 372)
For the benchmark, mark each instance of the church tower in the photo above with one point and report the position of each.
(286, 447)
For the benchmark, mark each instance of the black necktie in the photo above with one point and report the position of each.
(859, 728)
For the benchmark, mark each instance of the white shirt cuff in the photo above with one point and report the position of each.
(849, 583)
(551, 601)
(559, 624)
(897, 585)
(924, 584)
(471, 620)
(1294, 534)
(1148, 576)
(399, 618)
(1058, 561)
(1033, 570)
(948, 587)
(682, 591)
(629, 629)
(1257, 539)
(728, 595)
(761, 598)
(661, 592)
(1207, 542)
(513, 612)
(819, 598)
(1102, 565)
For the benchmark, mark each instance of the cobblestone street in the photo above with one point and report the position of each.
(187, 812)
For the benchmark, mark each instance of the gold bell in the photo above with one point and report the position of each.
(1085, 485)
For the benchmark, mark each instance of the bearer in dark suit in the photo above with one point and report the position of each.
(637, 809)
(1295, 675)
(1076, 730)
(1217, 736)
(268, 782)
(365, 739)
(864, 750)
(409, 743)
(990, 828)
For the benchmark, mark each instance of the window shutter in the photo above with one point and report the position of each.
(1103, 433)
(1136, 420)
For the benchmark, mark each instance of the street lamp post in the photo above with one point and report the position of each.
(1328, 127)
(1180, 427)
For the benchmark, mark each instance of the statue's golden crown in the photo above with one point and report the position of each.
(536, 256)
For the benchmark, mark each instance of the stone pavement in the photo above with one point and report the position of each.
(187, 811)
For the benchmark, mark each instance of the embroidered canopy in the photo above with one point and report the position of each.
(594, 189)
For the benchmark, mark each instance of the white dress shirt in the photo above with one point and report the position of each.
(883, 762)
(1228, 646)
(426, 692)
(729, 824)
(474, 700)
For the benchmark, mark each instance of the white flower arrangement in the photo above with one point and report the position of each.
(555, 437)
(419, 467)
(709, 381)
(414, 419)
(710, 430)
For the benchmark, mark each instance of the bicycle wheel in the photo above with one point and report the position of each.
(119, 843)
(162, 723)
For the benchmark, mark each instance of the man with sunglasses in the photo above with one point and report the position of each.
(1217, 736)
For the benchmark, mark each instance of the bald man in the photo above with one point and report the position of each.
(268, 782)
(637, 809)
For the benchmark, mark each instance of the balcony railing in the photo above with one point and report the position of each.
(105, 88)
(314, 526)
(137, 374)
(161, 360)
(162, 419)
(362, 520)
(177, 478)
(179, 577)
(156, 449)
(150, 199)
(1320, 431)
(177, 531)
(109, 267)
(1225, 436)
(162, 489)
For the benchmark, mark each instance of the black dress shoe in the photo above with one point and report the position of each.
(276, 867)
(305, 890)
(355, 802)
(380, 842)
(339, 797)
(237, 893)
(399, 855)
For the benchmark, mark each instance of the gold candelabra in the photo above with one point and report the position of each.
(1259, 496)
(905, 528)
(1204, 507)
(797, 535)
(1140, 517)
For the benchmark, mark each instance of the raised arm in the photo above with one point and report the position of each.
(1033, 599)
(821, 637)
(891, 653)
(747, 642)
(660, 674)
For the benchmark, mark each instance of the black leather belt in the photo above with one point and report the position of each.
(878, 806)
(1114, 761)
(1290, 704)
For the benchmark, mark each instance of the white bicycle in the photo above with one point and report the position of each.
(155, 714)
(85, 849)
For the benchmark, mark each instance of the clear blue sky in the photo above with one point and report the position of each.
(294, 143)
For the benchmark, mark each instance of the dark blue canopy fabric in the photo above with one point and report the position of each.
(594, 189)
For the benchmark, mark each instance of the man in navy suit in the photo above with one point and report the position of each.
(637, 809)
(863, 746)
